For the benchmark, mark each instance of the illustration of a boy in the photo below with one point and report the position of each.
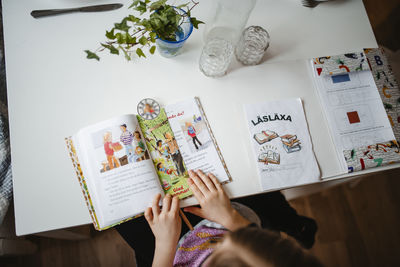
(138, 140)
(192, 133)
(165, 170)
(163, 150)
(174, 152)
(139, 154)
(126, 139)
(109, 150)
(148, 110)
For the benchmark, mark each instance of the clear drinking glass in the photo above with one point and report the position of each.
(215, 58)
(222, 33)
(252, 45)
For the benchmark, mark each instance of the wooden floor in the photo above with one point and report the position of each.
(359, 225)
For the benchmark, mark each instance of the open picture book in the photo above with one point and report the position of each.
(123, 162)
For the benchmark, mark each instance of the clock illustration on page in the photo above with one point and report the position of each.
(148, 109)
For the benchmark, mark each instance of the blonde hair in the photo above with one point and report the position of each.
(107, 137)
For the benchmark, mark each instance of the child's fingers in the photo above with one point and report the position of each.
(175, 204)
(206, 180)
(200, 185)
(154, 205)
(166, 203)
(148, 214)
(196, 192)
(215, 181)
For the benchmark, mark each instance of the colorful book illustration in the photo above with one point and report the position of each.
(290, 143)
(122, 163)
(265, 136)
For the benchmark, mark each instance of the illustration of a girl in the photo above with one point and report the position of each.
(192, 133)
(109, 150)
(165, 170)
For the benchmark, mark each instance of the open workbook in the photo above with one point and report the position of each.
(123, 162)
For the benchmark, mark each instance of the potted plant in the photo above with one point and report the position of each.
(159, 24)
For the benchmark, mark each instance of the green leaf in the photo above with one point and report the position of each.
(130, 39)
(157, 5)
(153, 37)
(112, 49)
(142, 7)
(152, 49)
(196, 22)
(110, 35)
(133, 19)
(143, 40)
(140, 53)
(135, 3)
(123, 26)
(91, 55)
(120, 38)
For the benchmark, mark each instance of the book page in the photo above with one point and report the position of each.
(166, 155)
(117, 167)
(281, 144)
(194, 139)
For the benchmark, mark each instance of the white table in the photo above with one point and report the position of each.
(53, 91)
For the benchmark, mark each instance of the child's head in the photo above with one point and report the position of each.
(188, 124)
(137, 135)
(138, 150)
(159, 166)
(123, 127)
(107, 137)
(159, 143)
(147, 108)
(251, 246)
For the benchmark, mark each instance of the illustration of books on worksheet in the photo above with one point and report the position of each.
(269, 157)
(265, 136)
(290, 143)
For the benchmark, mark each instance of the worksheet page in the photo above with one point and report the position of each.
(354, 110)
(281, 143)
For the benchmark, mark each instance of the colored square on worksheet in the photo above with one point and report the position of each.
(353, 117)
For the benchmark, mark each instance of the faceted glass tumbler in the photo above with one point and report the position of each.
(215, 58)
(252, 45)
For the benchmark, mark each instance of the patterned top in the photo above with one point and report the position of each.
(195, 246)
(198, 246)
(126, 138)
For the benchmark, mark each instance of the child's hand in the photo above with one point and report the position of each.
(214, 202)
(165, 223)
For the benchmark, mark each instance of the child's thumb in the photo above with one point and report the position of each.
(194, 210)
